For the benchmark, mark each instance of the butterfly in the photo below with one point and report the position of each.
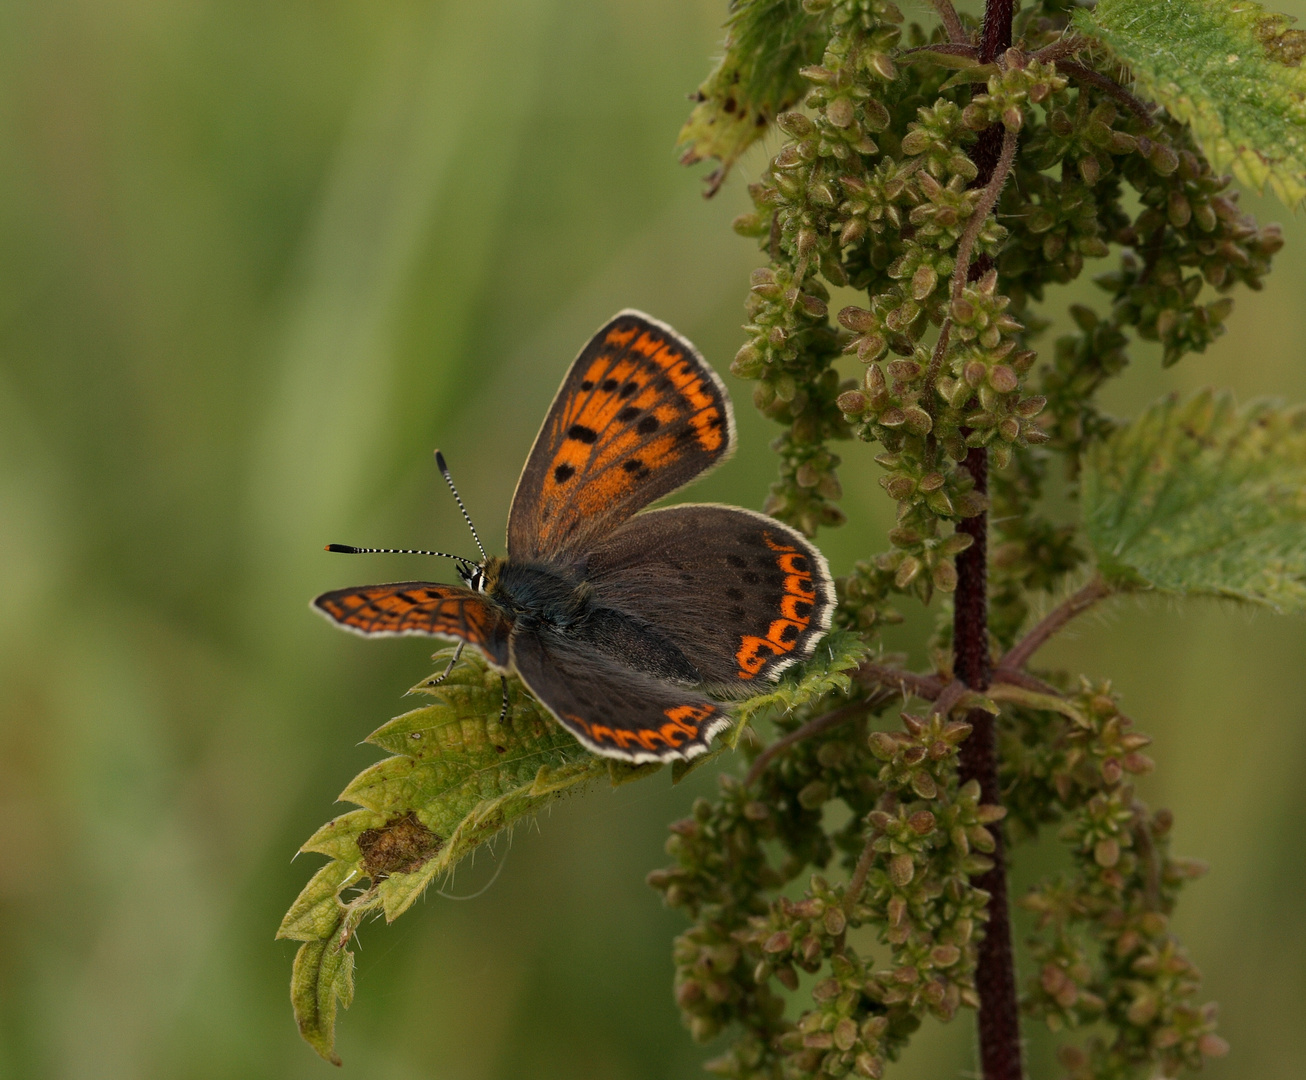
(629, 625)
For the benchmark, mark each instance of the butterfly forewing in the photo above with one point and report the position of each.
(740, 594)
(614, 710)
(639, 415)
(420, 607)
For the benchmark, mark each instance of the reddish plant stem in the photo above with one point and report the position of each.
(1082, 73)
(995, 977)
(951, 22)
(813, 727)
(970, 636)
(1074, 606)
(995, 35)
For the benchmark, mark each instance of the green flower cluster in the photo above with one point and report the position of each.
(1104, 951)
(949, 194)
(1189, 232)
(914, 841)
(731, 856)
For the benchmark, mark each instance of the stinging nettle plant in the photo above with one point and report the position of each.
(948, 173)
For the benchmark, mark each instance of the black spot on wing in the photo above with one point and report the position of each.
(563, 473)
(628, 414)
(628, 389)
(648, 425)
(581, 433)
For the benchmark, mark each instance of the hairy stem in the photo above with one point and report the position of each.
(1023, 680)
(815, 726)
(1076, 605)
(1085, 74)
(857, 883)
(995, 36)
(992, 191)
(970, 637)
(995, 976)
(966, 246)
(907, 683)
(1066, 45)
(951, 22)
(948, 700)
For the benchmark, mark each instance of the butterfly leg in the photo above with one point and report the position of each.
(452, 661)
(503, 712)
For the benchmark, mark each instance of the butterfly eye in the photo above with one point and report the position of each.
(473, 576)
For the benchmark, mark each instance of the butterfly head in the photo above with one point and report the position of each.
(480, 577)
(473, 575)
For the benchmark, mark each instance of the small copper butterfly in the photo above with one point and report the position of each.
(627, 626)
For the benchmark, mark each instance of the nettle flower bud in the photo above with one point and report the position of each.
(1003, 379)
(852, 403)
(841, 112)
(795, 124)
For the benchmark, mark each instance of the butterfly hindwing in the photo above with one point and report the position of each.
(639, 415)
(614, 710)
(420, 607)
(740, 594)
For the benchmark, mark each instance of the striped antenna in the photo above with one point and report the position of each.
(347, 549)
(444, 471)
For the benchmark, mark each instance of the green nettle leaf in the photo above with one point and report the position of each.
(825, 672)
(768, 41)
(458, 778)
(1231, 70)
(1203, 499)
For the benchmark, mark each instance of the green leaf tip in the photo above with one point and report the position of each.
(757, 78)
(824, 672)
(1231, 70)
(323, 977)
(1203, 498)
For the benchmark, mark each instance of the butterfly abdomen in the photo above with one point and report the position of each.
(633, 642)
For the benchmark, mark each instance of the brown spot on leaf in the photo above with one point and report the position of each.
(398, 847)
(1283, 46)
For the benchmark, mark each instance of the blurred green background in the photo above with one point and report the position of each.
(256, 261)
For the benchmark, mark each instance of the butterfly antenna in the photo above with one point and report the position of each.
(444, 471)
(349, 549)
